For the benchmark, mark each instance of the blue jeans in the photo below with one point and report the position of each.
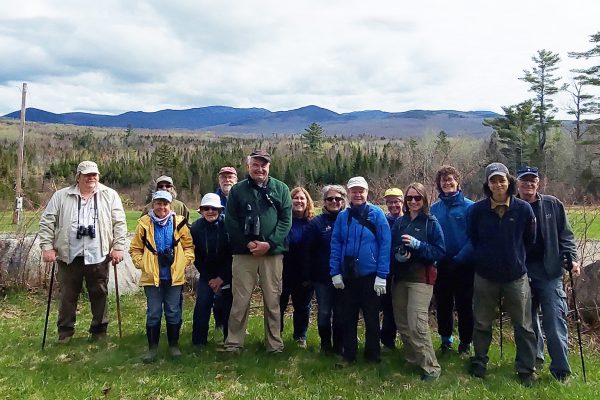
(550, 296)
(329, 316)
(205, 300)
(165, 295)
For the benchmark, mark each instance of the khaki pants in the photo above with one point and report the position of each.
(411, 313)
(70, 278)
(245, 270)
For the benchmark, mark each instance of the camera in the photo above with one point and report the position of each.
(166, 257)
(251, 223)
(89, 230)
(350, 267)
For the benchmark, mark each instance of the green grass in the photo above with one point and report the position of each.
(83, 370)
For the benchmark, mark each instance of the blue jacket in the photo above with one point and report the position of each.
(318, 247)
(293, 259)
(221, 196)
(371, 252)
(427, 229)
(499, 243)
(451, 212)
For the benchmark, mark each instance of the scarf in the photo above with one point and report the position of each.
(160, 221)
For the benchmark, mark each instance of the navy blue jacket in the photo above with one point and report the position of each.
(500, 243)
(427, 229)
(451, 212)
(211, 249)
(318, 247)
(293, 258)
(351, 239)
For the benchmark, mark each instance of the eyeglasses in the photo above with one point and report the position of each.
(331, 199)
(411, 198)
(164, 186)
(209, 209)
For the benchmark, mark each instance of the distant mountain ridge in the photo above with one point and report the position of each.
(223, 119)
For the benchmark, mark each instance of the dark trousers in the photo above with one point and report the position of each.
(70, 278)
(301, 298)
(358, 295)
(329, 316)
(455, 291)
(388, 330)
(205, 301)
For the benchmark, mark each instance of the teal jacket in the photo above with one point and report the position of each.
(271, 206)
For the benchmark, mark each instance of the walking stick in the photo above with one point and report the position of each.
(501, 330)
(48, 305)
(569, 266)
(118, 302)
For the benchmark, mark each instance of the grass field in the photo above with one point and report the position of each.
(113, 369)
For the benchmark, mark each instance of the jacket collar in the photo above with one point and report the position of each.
(456, 198)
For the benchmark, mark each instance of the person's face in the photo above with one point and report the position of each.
(449, 184)
(498, 185)
(358, 195)
(528, 185)
(166, 186)
(88, 181)
(210, 213)
(258, 169)
(333, 201)
(394, 205)
(226, 181)
(414, 200)
(299, 203)
(161, 208)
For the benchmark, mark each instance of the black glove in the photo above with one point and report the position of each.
(567, 262)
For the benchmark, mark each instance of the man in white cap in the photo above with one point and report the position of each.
(83, 229)
(166, 183)
(359, 266)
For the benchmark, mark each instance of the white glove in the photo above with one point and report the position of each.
(402, 257)
(411, 242)
(379, 286)
(337, 281)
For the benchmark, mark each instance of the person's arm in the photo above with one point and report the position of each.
(384, 239)
(335, 258)
(185, 239)
(233, 216)
(48, 225)
(284, 220)
(136, 248)
(434, 248)
(530, 227)
(465, 253)
(566, 239)
(119, 223)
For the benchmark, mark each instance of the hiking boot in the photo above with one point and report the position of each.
(64, 339)
(97, 337)
(562, 377)
(477, 370)
(429, 377)
(153, 335)
(173, 338)
(527, 379)
(301, 343)
(446, 348)
(464, 350)
(229, 350)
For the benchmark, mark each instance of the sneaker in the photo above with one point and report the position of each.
(301, 343)
(174, 351)
(464, 350)
(96, 337)
(477, 370)
(527, 379)
(429, 377)
(64, 339)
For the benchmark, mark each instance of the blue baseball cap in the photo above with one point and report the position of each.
(527, 170)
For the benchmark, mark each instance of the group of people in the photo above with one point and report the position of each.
(507, 250)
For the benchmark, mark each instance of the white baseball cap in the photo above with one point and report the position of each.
(357, 181)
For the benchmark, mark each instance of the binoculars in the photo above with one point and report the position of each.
(251, 223)
(89, 230)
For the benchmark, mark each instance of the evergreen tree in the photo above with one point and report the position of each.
(543, 84)
(313, 137)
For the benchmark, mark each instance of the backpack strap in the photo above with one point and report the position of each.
(147, 243)
(363, 220)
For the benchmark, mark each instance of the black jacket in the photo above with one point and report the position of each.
(212, 250)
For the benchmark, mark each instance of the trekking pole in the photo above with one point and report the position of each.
(569, 266)
(501, 330)
(48, 305)
(118, 302)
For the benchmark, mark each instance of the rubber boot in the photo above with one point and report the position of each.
(173, 337)
(153, 335)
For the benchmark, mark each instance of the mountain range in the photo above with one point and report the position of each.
(222, 119)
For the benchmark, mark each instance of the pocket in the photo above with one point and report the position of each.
(422, 324)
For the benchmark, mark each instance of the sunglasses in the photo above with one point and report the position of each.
(411, 198)
(209, 209)
(330, 199)
(164, 186)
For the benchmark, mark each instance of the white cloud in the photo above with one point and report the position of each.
(115, 56)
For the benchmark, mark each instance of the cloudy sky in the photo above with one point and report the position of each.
(114, 56)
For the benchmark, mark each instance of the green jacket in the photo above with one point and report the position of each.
(273, 207)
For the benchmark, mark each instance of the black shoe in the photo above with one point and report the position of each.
(527, 379)
(173, 338)
(446, 348)
(464, 350)
(428, 377)
(562, 377)
(477, 370)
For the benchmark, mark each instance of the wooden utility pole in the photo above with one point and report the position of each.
(19, 192)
